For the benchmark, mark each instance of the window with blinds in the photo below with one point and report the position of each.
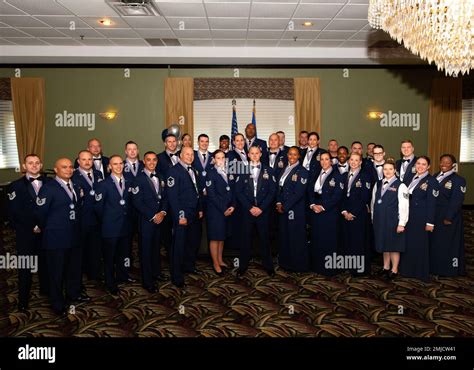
(8, 147)
(214, 118)
(467, 131)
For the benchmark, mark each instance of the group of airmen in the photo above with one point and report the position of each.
(324, 211)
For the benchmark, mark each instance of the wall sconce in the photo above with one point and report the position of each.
(108, 115)
(374, 115)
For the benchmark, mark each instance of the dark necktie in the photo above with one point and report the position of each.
(253, 167)
(89, 175)
(378, 165)
(153, 175)
(33, 179)
(134, 167)
(70, 190)
(120, 183)
(204, 158)
(341, 165)
(273, 153)
(406, 160)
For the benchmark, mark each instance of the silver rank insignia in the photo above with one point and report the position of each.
(98, 197)
(358, 184)
(40, 201)
(463, 189)
(130, 189)
(135, 190)
(11, 195)
(341, 185)
(81, 193)
(208, 183)
(303, 180)
(273, 178)
(448, 185)
(237, 180)
(424, 186)
(99, 180)
(170, 182)
(294, 177)
(435, 193)
(332, 183)
(367, 185)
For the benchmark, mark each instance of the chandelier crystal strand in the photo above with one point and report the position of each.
(439, 31)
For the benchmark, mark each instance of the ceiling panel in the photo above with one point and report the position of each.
(8, 9)
(317, 10)
(228, 23)
(21, 21)
(261, 35)
(188, 23)
(146, 22)
(325, 43)
(356, 11)
(90, 8)
(196, 42)
(40, 7)
(26, 41)
(193, 34)
(268, 24)
(229, 34)
(125, 33)
(347, 24)
(334, 35)
(272, 10)
(129, 42)
(61, 41)
(178, 9)
(301, 35)
(227, 9)
(158, 33)
(62, 21)
(354, 44)
(96, 42)
(86, 32)
(324, 1)
(41, 32)
(117, 22)
(318, 23)
(12, 32)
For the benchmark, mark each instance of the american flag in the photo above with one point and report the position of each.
(234, 128)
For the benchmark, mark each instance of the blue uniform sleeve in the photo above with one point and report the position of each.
(457, 197)
(270, 195)
(212, 196)
(139, 203)
(43, 204)
(100, 196)
(241, 193)
(336, 196)
(300, 190)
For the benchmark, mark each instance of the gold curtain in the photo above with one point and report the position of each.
(444, 132)
(307, 105)
(28, 95)
(179, 93)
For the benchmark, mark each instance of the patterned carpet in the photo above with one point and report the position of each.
(257, 306)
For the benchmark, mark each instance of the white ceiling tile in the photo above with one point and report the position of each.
(227, 42)
(60, 41)
(228, 23)
(196, 42)
(356, 11)
(371, 35)
(265, 43)
(40, 7)
(146, 22)
(188, 23)
(323, 1)
(130, 42)
(92, 8)
(262, 35)
(193, 34)
(26, 41)
(276, 1)
(268, 24)
(335, 35)
(149, 33)
(272, 10)
(86, 32)
(12, 32)
(117, 22)
(317, 10)
(227, 9)
(60, 21)
(8, 9)
(229, 34)
(346, 24)
(318, 24)
(181, 9)
(95, 42)
(354, 44)
(301, 35)
(359, 1)
(291, 43)
(122, 33)
(6, 42)
(42, 32)
(21, 21)
(325, 43)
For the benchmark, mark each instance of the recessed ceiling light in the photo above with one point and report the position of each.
(105, 22)
(307, 24)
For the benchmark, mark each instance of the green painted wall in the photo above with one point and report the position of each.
(139, 101)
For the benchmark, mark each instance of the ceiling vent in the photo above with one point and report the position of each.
(134, 8)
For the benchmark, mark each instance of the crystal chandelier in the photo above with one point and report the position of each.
(439, 31)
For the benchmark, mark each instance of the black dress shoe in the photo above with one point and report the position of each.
(83, 298)
(162, 277)
(271, 273)
(218, 273)
(151, 289)
(383, 272)
(392, 275)
(241, 273)
(60, 312)
(23, 307)
(196, 271)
